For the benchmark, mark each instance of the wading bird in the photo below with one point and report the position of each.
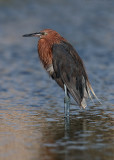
(64, 65)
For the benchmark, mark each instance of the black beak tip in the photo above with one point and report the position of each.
(26, 35)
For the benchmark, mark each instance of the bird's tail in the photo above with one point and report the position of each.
(87, 93)
(90, 90)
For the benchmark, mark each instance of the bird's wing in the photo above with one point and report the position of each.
(69, 68)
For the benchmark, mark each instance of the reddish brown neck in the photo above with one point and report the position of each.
(44, 50)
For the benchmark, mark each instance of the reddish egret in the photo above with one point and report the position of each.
(64, 65)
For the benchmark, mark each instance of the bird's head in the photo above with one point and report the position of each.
(48, 34)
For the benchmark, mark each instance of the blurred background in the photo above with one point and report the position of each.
(32, 124)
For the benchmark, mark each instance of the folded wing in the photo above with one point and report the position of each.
(69, 70)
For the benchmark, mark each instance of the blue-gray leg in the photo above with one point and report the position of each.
(66, 102)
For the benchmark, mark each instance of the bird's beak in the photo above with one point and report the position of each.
(37, 34)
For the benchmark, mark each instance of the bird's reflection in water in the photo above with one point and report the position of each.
(67, 126)
(67, 130)
(73, 126)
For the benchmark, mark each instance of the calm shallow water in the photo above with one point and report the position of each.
(31, 104)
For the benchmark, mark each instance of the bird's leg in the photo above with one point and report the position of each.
(66, 102)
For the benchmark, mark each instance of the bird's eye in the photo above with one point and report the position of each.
(44, 33)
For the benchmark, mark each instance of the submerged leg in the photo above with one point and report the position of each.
(66, 102)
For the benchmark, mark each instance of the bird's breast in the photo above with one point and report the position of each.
(50, 69)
